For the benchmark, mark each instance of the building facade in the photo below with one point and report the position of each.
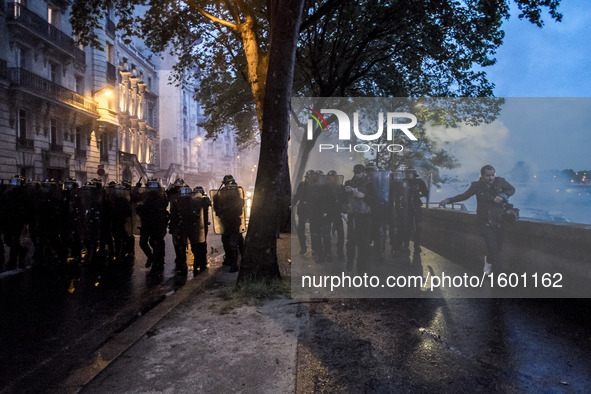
(67, 111)
(108, 113)
(184, 150)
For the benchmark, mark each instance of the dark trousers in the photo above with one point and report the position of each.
(493, 235)
(232, 245)
(152, 244)
(358, 239)
(302, 230)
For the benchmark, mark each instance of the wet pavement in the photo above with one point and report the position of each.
(315, 345)
(53, 321)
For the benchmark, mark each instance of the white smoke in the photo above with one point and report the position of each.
(475, 146)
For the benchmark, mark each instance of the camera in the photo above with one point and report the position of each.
(510, 213)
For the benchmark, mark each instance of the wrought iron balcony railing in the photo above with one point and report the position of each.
(19, 14)
(56, 148)
(24, 143)
(39, 85)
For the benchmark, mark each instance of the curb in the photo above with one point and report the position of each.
(120, 342)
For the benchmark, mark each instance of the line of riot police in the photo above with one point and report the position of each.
(68, 224)
(374, 203)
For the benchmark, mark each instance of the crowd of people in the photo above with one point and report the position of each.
(374, 204)
(377, 205)
(94, 223)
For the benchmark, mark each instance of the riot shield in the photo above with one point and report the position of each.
(228, 203)
(187, 215)
(149, 209)
(198, 204)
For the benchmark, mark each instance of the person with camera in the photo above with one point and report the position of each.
(492, 195)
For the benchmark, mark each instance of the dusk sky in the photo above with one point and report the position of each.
(553, 61)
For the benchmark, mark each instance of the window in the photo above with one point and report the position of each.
(78, 140)
(150, 83)
(52, 16)
(80, 85)
(54, 73)
(19, 57)
(110, 53)
(53, 132)
(104, 147)
(22, 125)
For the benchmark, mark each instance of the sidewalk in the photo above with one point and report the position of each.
(192, 342)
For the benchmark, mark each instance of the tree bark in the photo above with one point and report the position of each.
(260, 255)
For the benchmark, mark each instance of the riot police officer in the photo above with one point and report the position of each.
(335, 197)
(228, 211)
(15, 214)
(200, 251)
(300, 201)
(151, 208)
(118, 208)
(91, 211)
(361, 195)
(417, 189)
(71, 218)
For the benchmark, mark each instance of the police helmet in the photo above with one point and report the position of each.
(331, 173)
(152, 183)
(17, 180)
(199, 189)
(71, 183)
(179, 182)
(229, 180)
(185, 190)
(97, 182)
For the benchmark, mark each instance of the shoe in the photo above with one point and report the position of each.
(148, 263)
(303, 250)
(418, 249)
(487, 267)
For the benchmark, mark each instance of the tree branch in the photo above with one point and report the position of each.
(193, 4)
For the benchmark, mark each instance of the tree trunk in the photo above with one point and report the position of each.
(260, 255)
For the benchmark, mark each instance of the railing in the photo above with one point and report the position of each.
(111, 74)
(56, 148)
(24, 78)
(24, 143)
(18, 13)
(110, 28)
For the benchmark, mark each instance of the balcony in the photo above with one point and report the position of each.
(56, 148)
(41, 86)
(18, 15)
(24, 143)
